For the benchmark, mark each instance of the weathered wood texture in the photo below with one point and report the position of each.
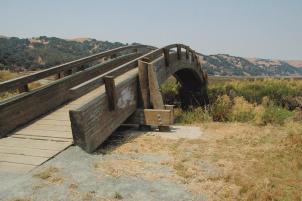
(156, 98)
(28, 106)
(93, 122)
(154, 117)
(21, 81)
(162, 73)
(110, 91)
(143, 84)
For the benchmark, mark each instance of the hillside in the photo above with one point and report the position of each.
(41, 52)
(223, 64)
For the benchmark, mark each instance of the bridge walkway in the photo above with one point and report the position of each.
(40, 140)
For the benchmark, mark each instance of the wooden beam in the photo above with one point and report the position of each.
(144, 83)
(156, 98)
(23, 88)
(178, 52)
(110, 92)
(153, 117)
(60, 75)
(187, 53)
(20, 81)
(193, 56)
(167, 56)
(171, 108)
(92, 122)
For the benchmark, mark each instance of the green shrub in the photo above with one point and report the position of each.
(169, 90)
(275, 115)
(280, 91)
(221, 109)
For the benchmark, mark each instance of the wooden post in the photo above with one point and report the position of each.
(110, 92)
(144, 83)
(60, 75)
(167, 56)
(156, 98)
(171, 108)
(197, 61)
(178, 52)
(23, 88)
(193, 56)
(187, 52)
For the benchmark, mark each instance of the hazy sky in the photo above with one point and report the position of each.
(249, 28)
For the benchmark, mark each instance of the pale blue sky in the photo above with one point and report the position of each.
(249, 28)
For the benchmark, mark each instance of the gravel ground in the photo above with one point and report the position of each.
(76, 175)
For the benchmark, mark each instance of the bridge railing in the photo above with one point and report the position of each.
(28, 105)
(21, 83)
(97, 81)
(156, 53)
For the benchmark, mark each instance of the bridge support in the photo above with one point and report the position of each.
(154, 111)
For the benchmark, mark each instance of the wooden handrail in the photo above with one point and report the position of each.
(24, 80)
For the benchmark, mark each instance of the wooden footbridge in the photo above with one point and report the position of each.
(90, 98)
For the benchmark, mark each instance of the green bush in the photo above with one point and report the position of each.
(169, 91)
(275, 115)
(278, 90)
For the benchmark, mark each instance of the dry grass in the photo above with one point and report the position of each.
(21, 199)
(50, 174)
(7, 75)
(232, 161)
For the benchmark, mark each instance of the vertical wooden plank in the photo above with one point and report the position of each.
(171, 108)
(178, 52)
(144, 83)
(23, 88)
(110, 92)
(193, 56)
(197, 61)
(156, 98)
(167, 56)
(60, 75)
(187, 52)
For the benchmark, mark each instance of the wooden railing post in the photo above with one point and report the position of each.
(167, 56)
(60, 75)
(178, 52)
(187, 52)
(23, 88)
(156, 98)
(144, 83)
(110, 91)
(193, 56)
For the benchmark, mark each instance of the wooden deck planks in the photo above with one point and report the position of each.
(45, 133)
(22, 159)
(40, 140)
(28, 151)
(15, 167)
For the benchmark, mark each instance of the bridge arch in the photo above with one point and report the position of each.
(187, 70)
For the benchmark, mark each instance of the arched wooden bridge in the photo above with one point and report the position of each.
(90, 98)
